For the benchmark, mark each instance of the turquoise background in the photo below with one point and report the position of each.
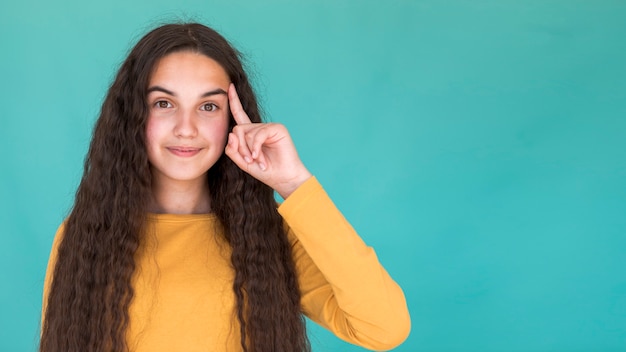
(477, 145)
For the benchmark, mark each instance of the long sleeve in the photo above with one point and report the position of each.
(52, 260)
(344, 287)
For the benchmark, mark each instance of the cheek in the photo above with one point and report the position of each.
(220, 131)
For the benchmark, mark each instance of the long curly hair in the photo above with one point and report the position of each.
(91, 290)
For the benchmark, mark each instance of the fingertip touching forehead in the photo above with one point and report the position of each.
(192, 37)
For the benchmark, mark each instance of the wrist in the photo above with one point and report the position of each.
(287, 188)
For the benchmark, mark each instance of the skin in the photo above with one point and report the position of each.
(187, 131)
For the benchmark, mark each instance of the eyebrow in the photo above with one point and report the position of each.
(204, 95)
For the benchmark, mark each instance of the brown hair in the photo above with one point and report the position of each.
(91, 291)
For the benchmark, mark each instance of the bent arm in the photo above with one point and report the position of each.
(52, 261)
(344, 287)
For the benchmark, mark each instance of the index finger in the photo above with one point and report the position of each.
(236, 109)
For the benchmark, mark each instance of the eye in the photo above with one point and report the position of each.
(162, 104)
(208, 107)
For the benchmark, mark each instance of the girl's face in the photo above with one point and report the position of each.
(188, 120)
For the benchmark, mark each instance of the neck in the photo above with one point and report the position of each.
(180, 197)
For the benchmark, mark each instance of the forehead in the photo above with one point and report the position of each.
(186, 67)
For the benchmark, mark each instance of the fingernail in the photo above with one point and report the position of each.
(254, 155)
(262, 166)
(247, 159)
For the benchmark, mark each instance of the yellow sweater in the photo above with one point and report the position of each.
(183, 283)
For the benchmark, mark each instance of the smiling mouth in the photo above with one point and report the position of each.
(184, 151)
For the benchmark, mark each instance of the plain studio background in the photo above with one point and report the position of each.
(479, 146)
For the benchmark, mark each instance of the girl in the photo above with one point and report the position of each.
(175, 241)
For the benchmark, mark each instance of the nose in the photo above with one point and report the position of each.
(185, 124)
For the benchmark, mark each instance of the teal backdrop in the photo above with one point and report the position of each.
(479, 146)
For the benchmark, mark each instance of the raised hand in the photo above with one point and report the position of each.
(264, 150)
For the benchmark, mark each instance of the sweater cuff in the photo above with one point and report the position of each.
(306, 190)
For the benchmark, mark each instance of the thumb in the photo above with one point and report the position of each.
(232, 151)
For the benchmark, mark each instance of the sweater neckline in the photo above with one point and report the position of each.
(180, 217)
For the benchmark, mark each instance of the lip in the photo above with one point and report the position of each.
(184, 151)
